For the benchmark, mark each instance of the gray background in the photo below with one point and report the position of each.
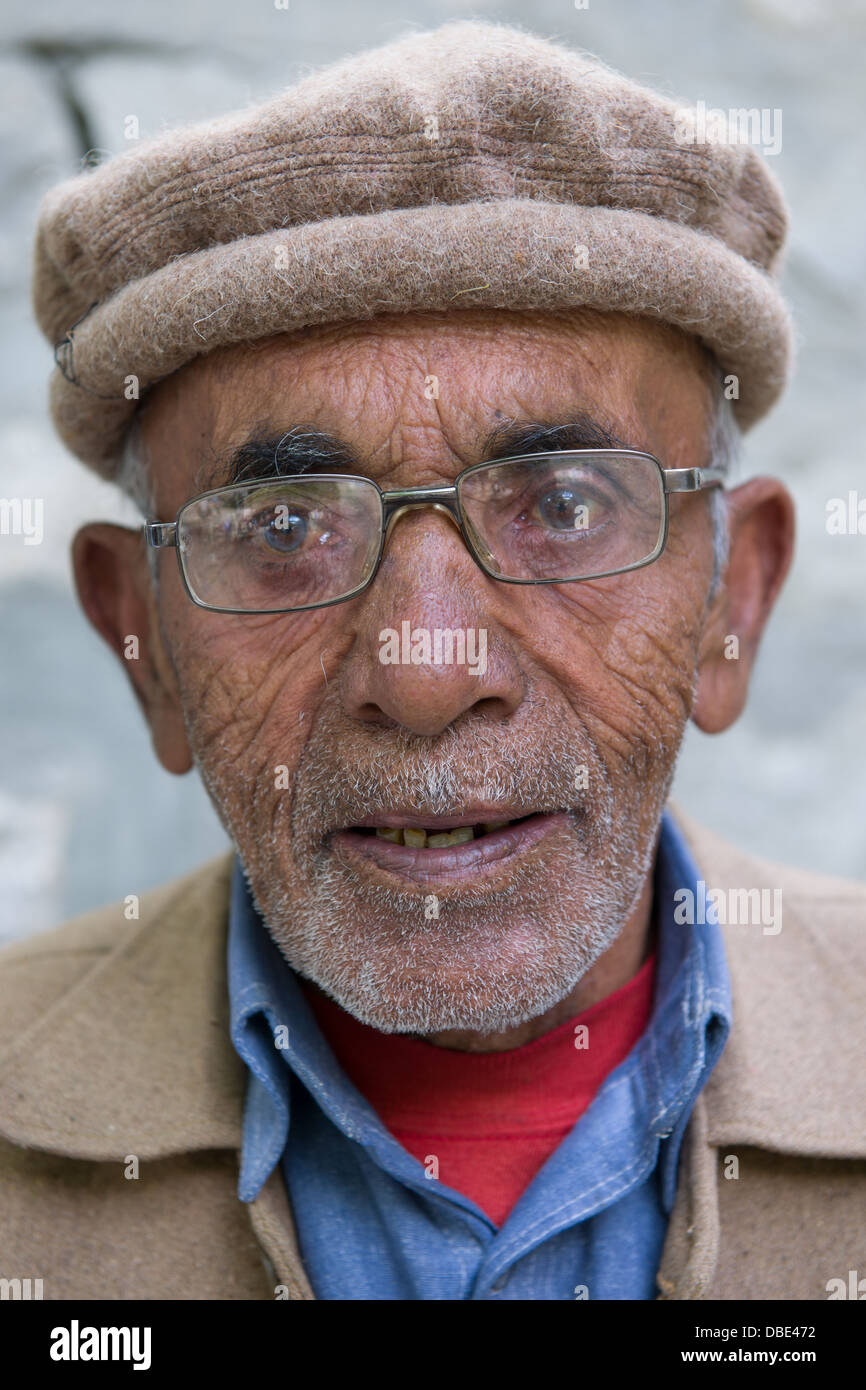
(86, 814)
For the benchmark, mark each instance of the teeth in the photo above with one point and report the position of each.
(453, 837)
(420, 839)
(395, 836)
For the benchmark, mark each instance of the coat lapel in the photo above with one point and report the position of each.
(136, 1057)
(271, 1219)
(691, 1247)
(787, 1080)
(790, 1078)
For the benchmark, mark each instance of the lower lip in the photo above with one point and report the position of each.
(451, 863)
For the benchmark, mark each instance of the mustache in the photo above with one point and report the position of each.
(346, 777)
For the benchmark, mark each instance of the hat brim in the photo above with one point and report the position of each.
(515, 254)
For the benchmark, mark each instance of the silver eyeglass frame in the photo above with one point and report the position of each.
(445, 499)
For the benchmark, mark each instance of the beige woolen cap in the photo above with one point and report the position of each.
(474, 164)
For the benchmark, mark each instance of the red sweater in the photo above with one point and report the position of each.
(486, 1122)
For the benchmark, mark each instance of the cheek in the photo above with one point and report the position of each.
(250, 686)
(623, 651)
(651, 664)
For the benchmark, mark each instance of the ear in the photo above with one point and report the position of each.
(116, 592)
(761, 527)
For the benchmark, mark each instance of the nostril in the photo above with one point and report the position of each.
(493, 707)
(371, 713)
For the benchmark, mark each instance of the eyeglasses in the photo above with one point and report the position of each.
(284, 545)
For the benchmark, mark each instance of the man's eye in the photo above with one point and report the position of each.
(281, 528)
(284, 531)
(566, 509)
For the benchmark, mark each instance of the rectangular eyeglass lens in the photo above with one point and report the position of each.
(566, 516)
(282, 544)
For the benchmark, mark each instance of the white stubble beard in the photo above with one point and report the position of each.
(372, 948)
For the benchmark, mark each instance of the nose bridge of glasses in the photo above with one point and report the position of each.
(439, 499)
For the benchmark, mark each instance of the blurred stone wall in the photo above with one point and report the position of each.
(86, 814)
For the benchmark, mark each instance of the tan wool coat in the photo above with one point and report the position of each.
(114, 1047)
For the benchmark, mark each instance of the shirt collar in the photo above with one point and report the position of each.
(275, 1032)
(692, 1014)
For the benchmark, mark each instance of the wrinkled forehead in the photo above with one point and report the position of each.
(431, 389)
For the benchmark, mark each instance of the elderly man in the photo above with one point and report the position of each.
(428, 376)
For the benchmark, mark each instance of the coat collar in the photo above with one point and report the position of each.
(136, 1057)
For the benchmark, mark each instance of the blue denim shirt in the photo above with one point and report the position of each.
(371, 1225)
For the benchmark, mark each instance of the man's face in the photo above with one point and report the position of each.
(306, 740)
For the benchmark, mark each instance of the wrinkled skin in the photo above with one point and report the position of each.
(602, 674)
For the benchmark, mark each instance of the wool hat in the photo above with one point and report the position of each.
(470, 165)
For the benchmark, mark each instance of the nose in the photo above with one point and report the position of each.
(427, 649)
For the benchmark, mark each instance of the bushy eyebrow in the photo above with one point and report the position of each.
(298, 451)
(287, 455)
(577, 431)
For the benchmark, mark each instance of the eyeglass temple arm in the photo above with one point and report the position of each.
(158, 533)
(692, 479)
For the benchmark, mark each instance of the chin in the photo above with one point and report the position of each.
(487, 977)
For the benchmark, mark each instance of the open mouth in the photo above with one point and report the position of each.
(429, 837)
(452, 848)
